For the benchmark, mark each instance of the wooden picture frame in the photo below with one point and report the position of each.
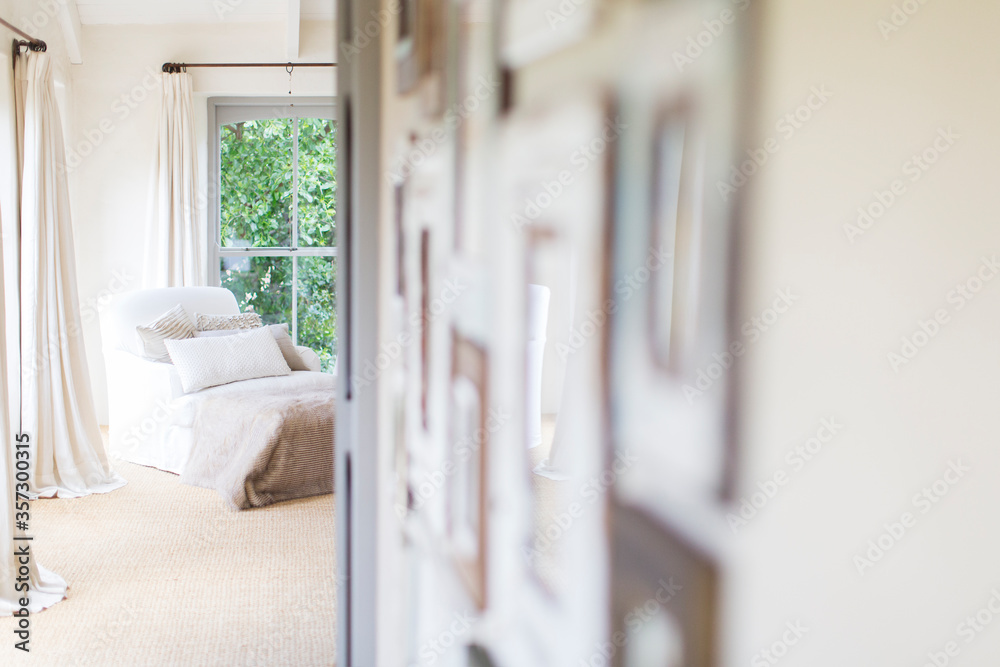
(422, 47)
(651, 562)
(460, 91)
(468, 486)
(425, 327)
(436, 28)
(399, 197)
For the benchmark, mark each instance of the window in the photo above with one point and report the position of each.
(274, 237)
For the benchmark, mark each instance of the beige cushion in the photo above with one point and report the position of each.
(280, 332)
(205, 322)
(207, 362)
(171, 325)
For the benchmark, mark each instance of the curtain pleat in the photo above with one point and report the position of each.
(175, 237)
(57, 406)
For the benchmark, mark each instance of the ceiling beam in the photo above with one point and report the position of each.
(294, 28)
(69, 21)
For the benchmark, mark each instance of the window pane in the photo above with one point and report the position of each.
(317, 309)
(317, 182)
(264, 283)
(256, 187)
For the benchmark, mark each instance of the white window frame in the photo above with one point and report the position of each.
(226, 111)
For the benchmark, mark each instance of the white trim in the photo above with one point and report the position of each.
(326, 251)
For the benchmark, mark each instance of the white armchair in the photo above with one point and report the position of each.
(149, 415)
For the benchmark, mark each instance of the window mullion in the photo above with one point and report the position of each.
(295, 299)
(295, 183)
(295, 230)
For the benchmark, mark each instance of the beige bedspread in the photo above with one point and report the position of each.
(258, 448)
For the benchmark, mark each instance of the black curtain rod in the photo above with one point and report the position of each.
(178, 67)
(31, 43)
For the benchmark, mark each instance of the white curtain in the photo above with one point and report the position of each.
(175, 236)
(57, 408)
(45, 588)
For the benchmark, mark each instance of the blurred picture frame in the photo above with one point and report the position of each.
(475, 97)
(425, 326)
(468, 485)
(399, 227)
(422, 47)
(678, 586)
(674, 230)
(460, 159)
(542, 243)
(408, 44)
(562, 226)
(672, 237)
(533, 29)
(437, 28)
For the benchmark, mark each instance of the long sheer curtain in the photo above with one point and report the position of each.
(45, 588)
(175, 236)
(57, 407)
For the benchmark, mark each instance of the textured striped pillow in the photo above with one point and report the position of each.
(223, 322)
(171, 325)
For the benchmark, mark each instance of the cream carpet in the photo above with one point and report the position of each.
(165, 574)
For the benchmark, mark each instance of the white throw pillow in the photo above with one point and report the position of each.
(207, 362)
(280, 332)
(205, 322)
(171, 325)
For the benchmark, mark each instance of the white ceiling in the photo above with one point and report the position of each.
(94, 12)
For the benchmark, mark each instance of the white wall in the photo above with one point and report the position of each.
(828, 355)
(113, 130)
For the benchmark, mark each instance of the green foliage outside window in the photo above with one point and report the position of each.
(258, 212)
